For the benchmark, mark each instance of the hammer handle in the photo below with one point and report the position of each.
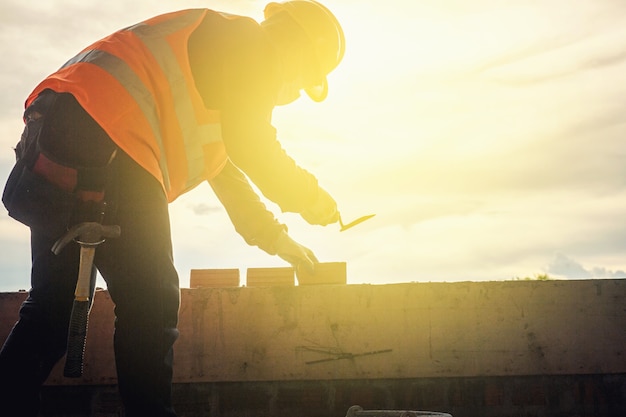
(76, 340)
(83, 297)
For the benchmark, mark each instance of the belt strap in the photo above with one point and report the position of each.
(87, 183)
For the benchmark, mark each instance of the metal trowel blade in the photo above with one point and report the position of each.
(360, 220)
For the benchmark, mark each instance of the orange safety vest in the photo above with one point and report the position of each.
(138, 86)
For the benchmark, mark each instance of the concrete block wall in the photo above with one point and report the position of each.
(513, 348)
(528, 396)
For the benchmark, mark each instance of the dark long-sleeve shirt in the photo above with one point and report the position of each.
(237, 72)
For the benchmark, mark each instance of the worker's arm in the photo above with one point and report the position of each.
(253, 221)
(253, 147)
(250, 138)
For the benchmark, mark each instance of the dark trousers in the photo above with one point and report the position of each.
(143, 284)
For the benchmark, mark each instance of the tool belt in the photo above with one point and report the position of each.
(41, 192)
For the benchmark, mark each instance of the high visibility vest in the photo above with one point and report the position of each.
(138, 86)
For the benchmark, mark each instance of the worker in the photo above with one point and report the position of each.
(126, 126)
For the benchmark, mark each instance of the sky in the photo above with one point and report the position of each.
(488, 138)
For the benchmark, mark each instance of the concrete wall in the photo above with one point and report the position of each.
(493, 333)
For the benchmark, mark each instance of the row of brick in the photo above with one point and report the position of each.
(529, 396)
(326, 273)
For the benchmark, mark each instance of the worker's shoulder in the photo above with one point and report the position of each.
(239, 34)
(228, 21)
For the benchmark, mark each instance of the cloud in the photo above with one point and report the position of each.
(14, 255)
(566, 267)
(202, 209)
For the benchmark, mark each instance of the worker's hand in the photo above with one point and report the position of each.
(294, 253)
(323, 211)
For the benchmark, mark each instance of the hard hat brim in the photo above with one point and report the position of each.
(319, 92)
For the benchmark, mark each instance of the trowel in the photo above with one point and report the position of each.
(353, 223)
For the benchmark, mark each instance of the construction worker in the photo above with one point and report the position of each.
(127, 126)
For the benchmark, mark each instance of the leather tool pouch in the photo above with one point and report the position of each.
(28, 196)
(32, 200)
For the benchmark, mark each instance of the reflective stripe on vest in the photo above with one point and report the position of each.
(149, 61)
(133, 84)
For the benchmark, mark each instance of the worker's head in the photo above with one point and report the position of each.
(310, 42)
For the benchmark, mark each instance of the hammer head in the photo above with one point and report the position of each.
(86, 234)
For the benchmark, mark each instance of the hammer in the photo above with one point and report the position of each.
(88, 235)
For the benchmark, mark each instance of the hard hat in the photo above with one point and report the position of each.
(325, 33)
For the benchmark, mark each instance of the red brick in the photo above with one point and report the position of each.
(270, 277)
(531, 395)
(494, 394)
(326, 273)
(214, 278)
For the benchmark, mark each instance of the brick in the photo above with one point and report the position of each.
(326, 273)
(244, 399)
(214, 278)
(467, 393)
(430, 395)
(368, 396)
(302, 397)
(529, 395)
(494, 394)
(270, 277)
